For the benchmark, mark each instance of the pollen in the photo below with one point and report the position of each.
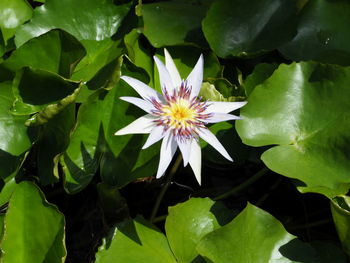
(180, 113)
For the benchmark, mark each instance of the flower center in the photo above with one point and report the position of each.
(180, 113)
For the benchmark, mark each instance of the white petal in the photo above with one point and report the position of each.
(210, 138)
(224, 107)
(156, 135)
(167, 152)
(142, 104)
(141, 125)
(171, 67)
(141, 88)
(218, 117)
(164, 76)
(196, 160)
(195, 78)
(185, 148)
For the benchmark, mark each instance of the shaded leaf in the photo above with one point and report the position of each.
(241, 28)
(174, 22)
(340, 207)
(323, 33)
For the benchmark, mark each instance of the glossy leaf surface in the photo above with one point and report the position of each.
(303, 109)
(32, 227)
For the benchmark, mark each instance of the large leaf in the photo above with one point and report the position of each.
(32, 228)
(240, 28)
(188, 222)
(323, 33)
(14, 139)
(135, 241)
(35, 89)
(13, 13)
(55, 51)
(93, 141)
(174, 22)
(304, 109)
(340, 207)
(254, 236)
(100, 19)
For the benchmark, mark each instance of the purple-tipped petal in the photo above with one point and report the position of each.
(210, 138)
(195, 79)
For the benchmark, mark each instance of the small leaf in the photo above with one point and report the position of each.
(188, 222)
(135, 241)
(254, 236)
(13, 13)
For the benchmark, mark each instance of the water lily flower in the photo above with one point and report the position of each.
(178, 116)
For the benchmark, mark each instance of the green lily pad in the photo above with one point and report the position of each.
(254, 236)
(100, 19)
(303, 108)
(135, 241)
(174, 22)
(55, 51)
(13, 13)
(340, 207)
(322, 33)
(188, 222)
(241, 28)
(34, 229)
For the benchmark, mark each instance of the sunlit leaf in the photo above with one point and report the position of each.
(254, 236)
(32, 227)
(188, 222)
(303, 108)
(135, 241)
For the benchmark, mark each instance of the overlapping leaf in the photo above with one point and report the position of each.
(304, 109)
(322, 33)
(241, 28)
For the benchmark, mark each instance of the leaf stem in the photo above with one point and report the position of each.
(168, 178)
(243, 185)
